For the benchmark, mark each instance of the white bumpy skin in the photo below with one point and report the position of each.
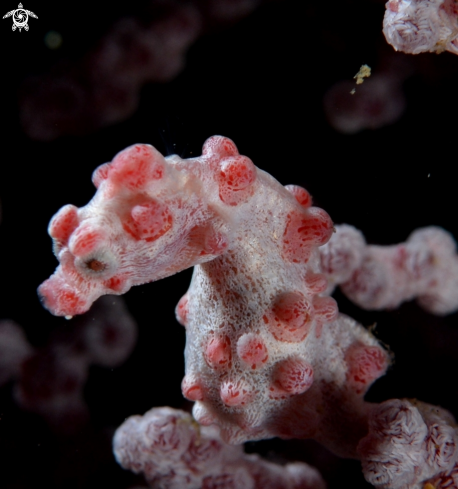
(267, 353)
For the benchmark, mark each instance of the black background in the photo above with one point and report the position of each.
(259, 81)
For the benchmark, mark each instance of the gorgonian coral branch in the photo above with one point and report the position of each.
(418, 26)
(425, 268)
(409, 443)
(174, 452)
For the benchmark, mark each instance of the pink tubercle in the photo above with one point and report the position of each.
(218, 352)
(235, 392)
(203, 415)
(293, 376)
(317, 227)
(182, 310)
(236, 178)
(302, 196)
(316, 282)
(237, 172)
(365, 364)
(325, 308)
(219, 146)
(100, 174)
(137, 166)
(303, 231)
(252, 350)
(64, 223)
(192, 389)
(290, 318)
(148, 221)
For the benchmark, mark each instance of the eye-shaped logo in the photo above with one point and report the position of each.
(20, 17)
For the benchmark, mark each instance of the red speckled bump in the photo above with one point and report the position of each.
(291, 317)
(316, 282)
(182, 310)
(236, 392)
(137, 166)
(149, 221)
(301, 195)
(192, 388)
(252, 350)
(325, 308)
(219, 146)
(303, 231)
(365, 364)
(64, 223)
(218, 353)
(100, 174)
(292, 376)
(237, 172)
(236, 178)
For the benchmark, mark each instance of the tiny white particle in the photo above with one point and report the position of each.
(68, 317)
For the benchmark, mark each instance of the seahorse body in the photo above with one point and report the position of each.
(267, 353)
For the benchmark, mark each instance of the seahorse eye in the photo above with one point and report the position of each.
(96, 265)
